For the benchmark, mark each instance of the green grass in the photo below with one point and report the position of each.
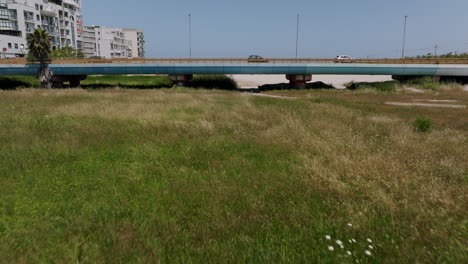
(15, 82)
(199, 176)
(139, 82)
(425, 83)
(220, 82)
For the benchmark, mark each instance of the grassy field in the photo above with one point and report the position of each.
(201, 176)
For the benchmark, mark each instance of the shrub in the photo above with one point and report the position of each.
(423, 124)
(213, 81)
(424, 83)
(387, 87)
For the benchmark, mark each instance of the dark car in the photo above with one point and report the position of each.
(256, 59)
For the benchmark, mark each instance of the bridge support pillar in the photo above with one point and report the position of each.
(181, 80)
(74, 80)
(298, 81)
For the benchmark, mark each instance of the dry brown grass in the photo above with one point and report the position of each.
(363, 157)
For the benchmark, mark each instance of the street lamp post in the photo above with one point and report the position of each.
(297, 36)
(404, 38)
(190, 35)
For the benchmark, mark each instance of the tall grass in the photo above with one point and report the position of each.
(123, 81)
(424, 83)
(182, 176)
(220, 82)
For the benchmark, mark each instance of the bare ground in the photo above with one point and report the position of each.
(338, 81)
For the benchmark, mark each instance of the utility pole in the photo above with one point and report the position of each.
(190, 35)
(435, 50)
(297, 36)
(404, 39)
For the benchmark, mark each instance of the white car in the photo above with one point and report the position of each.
(344, 58)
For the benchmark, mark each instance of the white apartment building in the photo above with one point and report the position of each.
(106, 42)
(18, 18)
(136, 40)
(89, 41)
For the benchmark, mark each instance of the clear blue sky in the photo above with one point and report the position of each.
(238, 28)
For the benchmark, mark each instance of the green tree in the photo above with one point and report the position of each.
(40, 47)
(67, 53)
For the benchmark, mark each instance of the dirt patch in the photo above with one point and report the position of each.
(273, 96)
(465, 88)
(426, 105)
(435, 101)
(413, 90)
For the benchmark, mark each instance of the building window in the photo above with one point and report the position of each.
(9, 45)
(8, 25)
(37, 7)
(16, 45)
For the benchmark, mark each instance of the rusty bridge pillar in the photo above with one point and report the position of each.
(298, 81)
(181, 80)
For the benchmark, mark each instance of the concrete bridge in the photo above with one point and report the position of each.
(297, 71)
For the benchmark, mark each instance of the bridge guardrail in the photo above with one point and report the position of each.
(237, 60)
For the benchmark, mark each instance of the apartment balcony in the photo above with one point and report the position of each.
(47, 11)
(72, 3)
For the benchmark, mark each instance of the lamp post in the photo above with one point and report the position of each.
(404, 38)
(297, 36)
(190, 35)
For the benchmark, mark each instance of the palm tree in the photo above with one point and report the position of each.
(40, 47)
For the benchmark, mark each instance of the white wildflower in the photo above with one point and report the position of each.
(339, 242)
(331, 248)
(368, 253)
(341, 246)
(349, 253)
(328, 237)
(371, 247)
(369, 240)
(350, 225)
(354, 240)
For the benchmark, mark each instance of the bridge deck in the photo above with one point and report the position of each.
(243, 67)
